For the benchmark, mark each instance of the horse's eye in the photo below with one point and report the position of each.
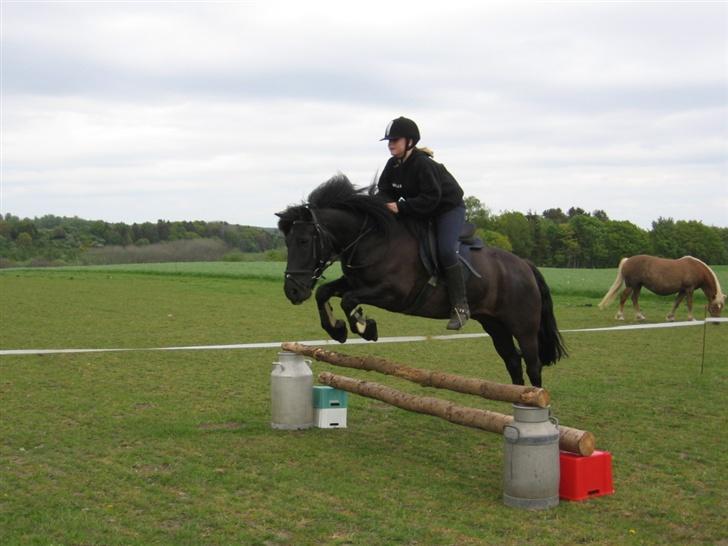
(303, 241)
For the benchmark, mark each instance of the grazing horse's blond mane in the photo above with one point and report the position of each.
(719, 296)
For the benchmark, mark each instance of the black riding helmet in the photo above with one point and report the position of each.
(402, 127)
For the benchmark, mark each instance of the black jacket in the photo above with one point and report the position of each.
(421, 186)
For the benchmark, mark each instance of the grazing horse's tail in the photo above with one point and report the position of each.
(609, 296)
(551, 346)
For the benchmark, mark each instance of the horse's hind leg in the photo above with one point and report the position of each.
(671, 315)
(529, 349)
(622, 299)
(636, 304)
(506, 349)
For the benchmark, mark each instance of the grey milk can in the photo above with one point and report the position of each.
(291, 391)
(531, 459)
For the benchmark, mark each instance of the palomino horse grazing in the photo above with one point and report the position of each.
(665, 277)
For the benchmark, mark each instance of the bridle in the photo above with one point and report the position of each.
(322, 255)
(320, 238)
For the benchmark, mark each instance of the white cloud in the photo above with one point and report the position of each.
(232, 111)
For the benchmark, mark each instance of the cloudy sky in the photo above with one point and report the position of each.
(128, 111)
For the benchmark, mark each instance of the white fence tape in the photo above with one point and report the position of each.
(357, 341)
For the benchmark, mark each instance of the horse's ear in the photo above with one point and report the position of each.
(284, 223)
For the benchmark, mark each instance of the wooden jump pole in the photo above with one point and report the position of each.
(570, 439)
(531, 396)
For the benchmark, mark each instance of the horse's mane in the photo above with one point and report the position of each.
(719, 296)
(339, 193)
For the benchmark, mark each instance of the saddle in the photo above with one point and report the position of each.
(428, 250)
(426, 235)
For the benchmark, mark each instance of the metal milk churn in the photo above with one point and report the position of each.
(531, 459)
(291, 390)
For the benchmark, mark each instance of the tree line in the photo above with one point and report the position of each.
(578, 238)
(55, 240)
(575, 238)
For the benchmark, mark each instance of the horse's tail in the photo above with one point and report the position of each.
(551, 346)
(616, 285)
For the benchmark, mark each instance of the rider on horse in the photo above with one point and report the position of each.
(413, 184)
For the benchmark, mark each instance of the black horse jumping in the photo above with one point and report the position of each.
(380, 260)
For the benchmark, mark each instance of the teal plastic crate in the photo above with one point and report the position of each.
(329, 397)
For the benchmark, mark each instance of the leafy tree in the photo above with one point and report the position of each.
(600, 215)
(232, 236)
(623, 239)
(562, 239)
(477, 213)
(664, 238)
(58, 233)
(541, 248)
(698, 240)
(179, 231)
(555, 215)
(577, 211)
(494, 238)
(163, 229)
(24, 240)
(515, 226)
(99, 230)
(590, 235)
(23, 226)
(150, 232)
(723, 235)
(5, 228)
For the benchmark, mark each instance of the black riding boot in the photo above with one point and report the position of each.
(458, 298)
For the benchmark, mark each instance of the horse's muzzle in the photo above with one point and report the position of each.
(295, 291)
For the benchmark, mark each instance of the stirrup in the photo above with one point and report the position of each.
(458, 317)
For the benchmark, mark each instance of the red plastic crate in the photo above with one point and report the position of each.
(585, 477)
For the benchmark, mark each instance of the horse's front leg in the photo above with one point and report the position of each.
(358, 321)
(689, 301)
(671, 315)
(336, 328)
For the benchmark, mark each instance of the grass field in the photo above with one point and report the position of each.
(176, 448)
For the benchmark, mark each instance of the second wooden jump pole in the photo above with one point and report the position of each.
(570, 439)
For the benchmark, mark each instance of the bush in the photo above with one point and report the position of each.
(234, 256)
(184, 250)
(276, 255)
(494, 238)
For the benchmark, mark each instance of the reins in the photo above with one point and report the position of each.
(363, 232)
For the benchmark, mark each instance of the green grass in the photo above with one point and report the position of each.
(176, 448)
(248, 270)
(584, 282)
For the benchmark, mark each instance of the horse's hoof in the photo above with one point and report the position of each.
(670, 318)
(338, 332)
(641, 318)
(370, 332)
(619, 316)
